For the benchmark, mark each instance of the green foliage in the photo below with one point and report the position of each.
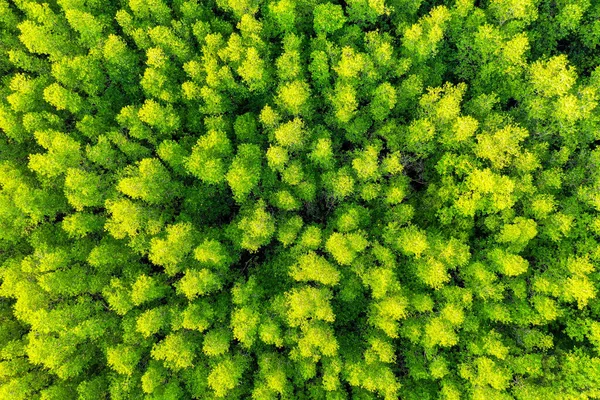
(244, 173)
(177, 351)
(256, 227)
(207, 159)
(328, 18)
(150, 182)
(264, 199)
(312, 267)
(225, 376)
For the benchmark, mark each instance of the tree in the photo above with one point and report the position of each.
(384, 100)
(147, 289)
(291, 133)
(257, 227)
(177, 351)
(253, 70)
(89, 27)
(164, 119)
(63, 99)
(505, 145)
(328, 18)
(123, 359)
(244, 172)
(152, 321)
(199, 282)
(83, 189)
(345, 247)
(127, 218)
(312, 267)
(150, 182)
(171, 251)
(81, 224)
(216, 342)
(284, 14)
(207, 159)
(213, 253)
(422, 38)
(225, 376)
(309, 304)
(344, 101)
(294, 96)
(63, 153)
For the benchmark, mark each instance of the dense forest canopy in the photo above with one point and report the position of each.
(299, 199)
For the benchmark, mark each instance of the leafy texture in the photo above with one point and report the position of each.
(299, 199)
